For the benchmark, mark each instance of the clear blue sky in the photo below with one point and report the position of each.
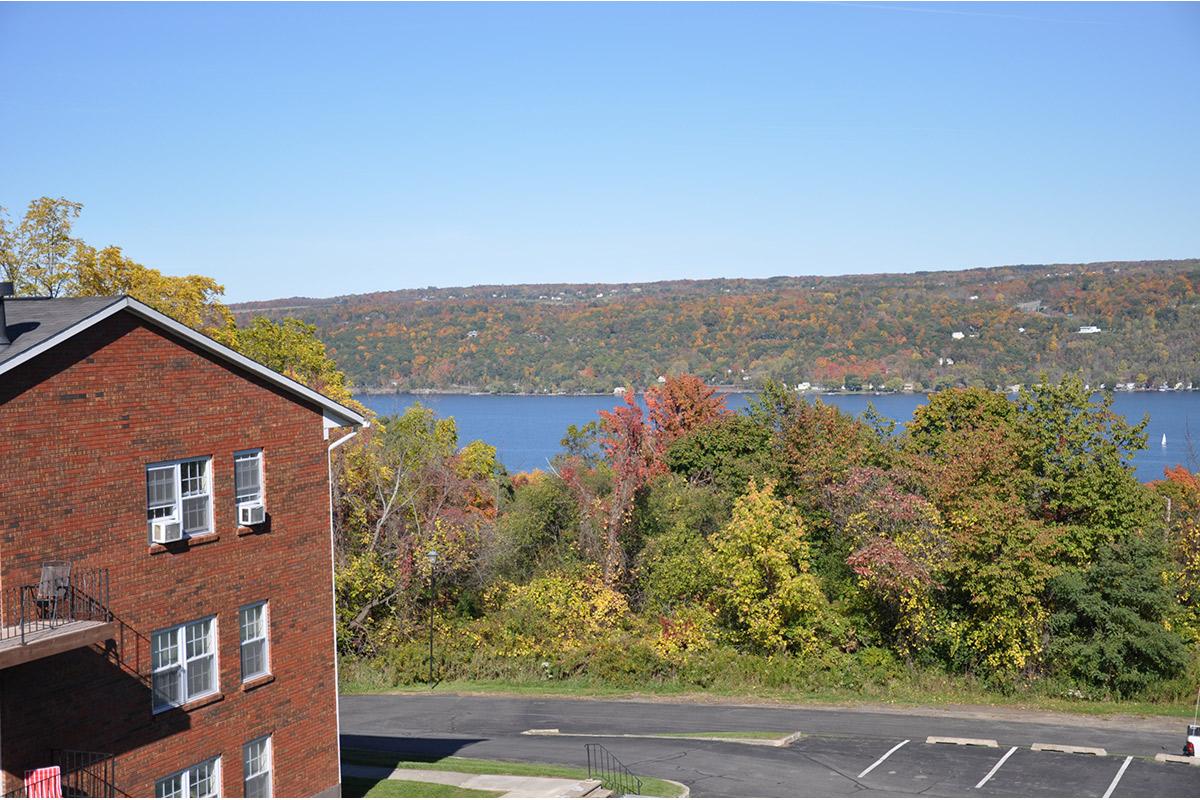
(324, 149)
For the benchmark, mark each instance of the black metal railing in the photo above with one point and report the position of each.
(612, 774)
(87, 774)
(60, 597)
(81, 774)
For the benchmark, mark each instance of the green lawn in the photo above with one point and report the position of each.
(370, 787)
(477, 766)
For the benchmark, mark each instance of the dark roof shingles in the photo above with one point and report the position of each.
(33, 320)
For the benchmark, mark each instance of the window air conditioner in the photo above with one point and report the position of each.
(251, 514)
(165, 530)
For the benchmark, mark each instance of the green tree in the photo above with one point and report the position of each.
(726, 453)
(1078, 452)
(1108, 628)
(538, 530)
(674, 520)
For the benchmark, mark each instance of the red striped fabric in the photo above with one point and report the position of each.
(43, 782)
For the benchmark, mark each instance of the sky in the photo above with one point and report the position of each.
(326, 149)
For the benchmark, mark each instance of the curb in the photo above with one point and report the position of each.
(1070, 748)
(782, 741)
(962, 741)
(1171, 758)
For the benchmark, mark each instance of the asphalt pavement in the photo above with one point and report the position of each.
(842, 752)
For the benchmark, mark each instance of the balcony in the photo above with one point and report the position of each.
(80, 774)
(67, 608)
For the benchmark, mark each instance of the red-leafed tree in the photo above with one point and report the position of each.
(630, 445)
(681, 405)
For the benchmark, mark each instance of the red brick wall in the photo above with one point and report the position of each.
(78, 425)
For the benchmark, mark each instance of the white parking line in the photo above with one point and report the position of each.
(883, 758)
(998, 765)
(1117, 779)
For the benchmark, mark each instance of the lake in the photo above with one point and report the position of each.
(526, 430)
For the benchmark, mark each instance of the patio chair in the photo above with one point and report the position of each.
(53, 589)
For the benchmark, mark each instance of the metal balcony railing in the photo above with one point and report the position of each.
(83, 774)
(62, 596)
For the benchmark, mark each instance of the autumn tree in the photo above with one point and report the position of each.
(39, 251)
(405, 488)
(190, 299)
(292, 348)
(681, 405)
(763, 585)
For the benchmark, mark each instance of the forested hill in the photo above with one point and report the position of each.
(993, 327)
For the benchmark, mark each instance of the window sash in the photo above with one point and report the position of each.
(184, 663)
(181, 491)
(247, 477)
(253, 621)
(256, 767)
(198, 780)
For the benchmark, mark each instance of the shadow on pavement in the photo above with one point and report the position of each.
(377, 749)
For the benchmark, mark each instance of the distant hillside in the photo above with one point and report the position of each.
(993, 327)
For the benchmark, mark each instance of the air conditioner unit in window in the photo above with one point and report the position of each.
(165, 530)
(251, 514)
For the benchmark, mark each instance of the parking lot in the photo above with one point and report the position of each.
(1007, 771)
(839, 753)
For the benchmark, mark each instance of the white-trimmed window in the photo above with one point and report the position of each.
(181, 490)
(184, 663)
(201, 780)
(255, 648)
(248, 476)
(256, 768)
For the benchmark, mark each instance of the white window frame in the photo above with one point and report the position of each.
(185, 780)
(181, 662)
(250, 455)
(265, 638)
(175, 508)
(268, 758)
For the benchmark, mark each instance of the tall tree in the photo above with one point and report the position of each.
(38, 253)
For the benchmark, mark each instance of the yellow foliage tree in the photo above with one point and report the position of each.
(764, 590)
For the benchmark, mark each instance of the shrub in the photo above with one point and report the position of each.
(1108, 628)
(556, 612)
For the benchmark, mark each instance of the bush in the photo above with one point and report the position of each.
(1108, 628)
(556, 612)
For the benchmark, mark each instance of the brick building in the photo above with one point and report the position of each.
(200, 664)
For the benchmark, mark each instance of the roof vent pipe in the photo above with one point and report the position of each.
(6, 290)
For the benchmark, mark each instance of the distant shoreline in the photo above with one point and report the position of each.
(376, 392)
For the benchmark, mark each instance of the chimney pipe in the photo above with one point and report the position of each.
(6, 290)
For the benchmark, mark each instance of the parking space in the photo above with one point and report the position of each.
(933, 768)
(1144, 778)
(1048, 774)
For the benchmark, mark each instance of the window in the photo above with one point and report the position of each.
(253, 619)
(256, 766)
(202, 780)
(247, 476)
(181, 491)
(184, 663)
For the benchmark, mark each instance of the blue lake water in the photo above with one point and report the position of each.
(526, 430)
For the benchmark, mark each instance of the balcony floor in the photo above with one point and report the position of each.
(51, 641)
